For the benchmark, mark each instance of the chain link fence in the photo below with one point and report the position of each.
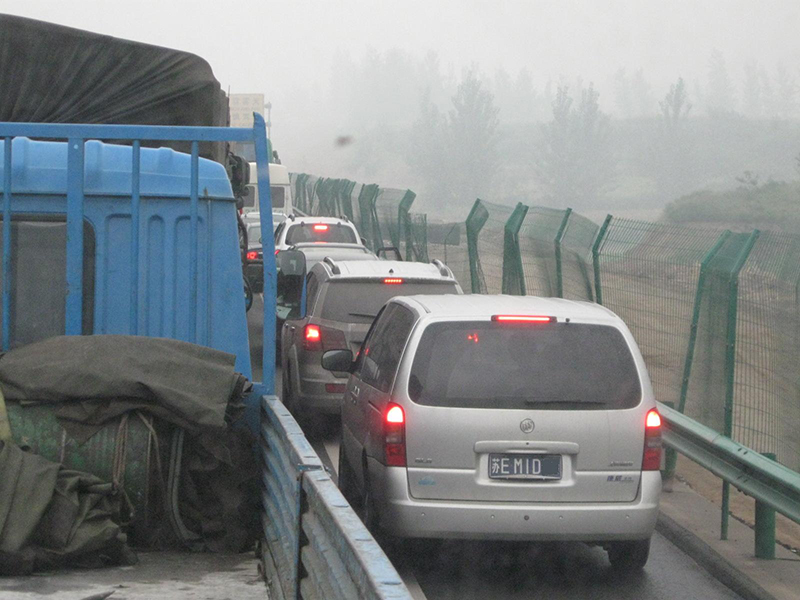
(715, 313)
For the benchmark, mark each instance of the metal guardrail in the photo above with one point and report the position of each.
(315, 546)
(773, 486)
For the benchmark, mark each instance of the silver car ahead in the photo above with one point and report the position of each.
(500, 417)
(343, 298)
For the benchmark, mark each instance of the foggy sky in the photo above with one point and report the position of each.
(266, 46)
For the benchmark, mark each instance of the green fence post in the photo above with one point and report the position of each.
(670, 461)
(765, 526)
(698, 298)
(513, 276)
(402, 218)
(557, 243)
(601, 234)
(730, 366)
(475, 221)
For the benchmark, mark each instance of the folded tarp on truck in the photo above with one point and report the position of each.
(55, 74)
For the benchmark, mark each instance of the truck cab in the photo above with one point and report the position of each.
(280, 190)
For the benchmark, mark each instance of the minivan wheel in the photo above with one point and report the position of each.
(629, 556)
(346, 479)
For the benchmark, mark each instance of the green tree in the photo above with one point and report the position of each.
(575, 162)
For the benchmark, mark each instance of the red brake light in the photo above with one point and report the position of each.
(320, 227)
(276, 252)
(651, 461)
(522, 319)
(252, 255)
(653, 419)
(393, 280)
(395, 415)
(394, 430)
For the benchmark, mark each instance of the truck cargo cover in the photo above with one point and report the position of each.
(55, 74)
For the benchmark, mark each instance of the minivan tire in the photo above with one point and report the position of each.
(627, 557)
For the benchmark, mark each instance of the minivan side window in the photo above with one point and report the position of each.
(312, 290)
(384, 348)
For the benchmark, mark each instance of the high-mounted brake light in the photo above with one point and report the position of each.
(651, 461)
(393, 280)
(522, 319)
(320, 227)
(394, 432)
(252, 255)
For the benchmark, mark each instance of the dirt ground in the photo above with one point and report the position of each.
(742, 506)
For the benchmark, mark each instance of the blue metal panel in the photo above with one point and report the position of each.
(41, 167)
(135, 210)
(74, 302)
(7, 146)
(268, 252)
(130, 132)
(193, 245)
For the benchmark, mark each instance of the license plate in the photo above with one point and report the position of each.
(524, 466)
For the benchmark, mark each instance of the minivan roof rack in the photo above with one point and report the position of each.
(332, 263)
(443, 269)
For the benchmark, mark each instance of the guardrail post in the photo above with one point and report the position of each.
(513, 275)
(730, 366)
(765, 526)
(601, 234)
(557, 243)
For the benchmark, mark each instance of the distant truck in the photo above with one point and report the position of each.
(280, 190)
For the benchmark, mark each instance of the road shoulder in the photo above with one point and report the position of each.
(692, 523)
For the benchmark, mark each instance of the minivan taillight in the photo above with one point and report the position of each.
(652, 441)
(394, 435)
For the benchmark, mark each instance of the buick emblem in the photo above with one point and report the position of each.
(527, 426)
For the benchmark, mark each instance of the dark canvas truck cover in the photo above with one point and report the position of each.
(55, 74)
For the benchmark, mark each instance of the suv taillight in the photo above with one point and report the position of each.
(652, 442)
(316, 337)
(394, 436)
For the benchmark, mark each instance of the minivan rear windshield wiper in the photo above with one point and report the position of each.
(357, 314)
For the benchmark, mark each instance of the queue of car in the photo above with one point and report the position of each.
(467, 416)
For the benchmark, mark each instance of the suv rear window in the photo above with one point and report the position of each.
(559, 366)
(320, 232)
(359, 302)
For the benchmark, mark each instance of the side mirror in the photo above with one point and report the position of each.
(363, 241)
(385, 250)
(291, 262)
(239, 203)
(338, 360)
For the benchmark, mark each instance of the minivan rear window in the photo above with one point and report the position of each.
(360, 301)
(555, 366)
(320, 232)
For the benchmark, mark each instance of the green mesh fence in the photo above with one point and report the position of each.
(390, 207)
(576, 258)
(766, 401)
(448, 242)
(648, 276)
(488, 221)
(537, 245)
(416, 234)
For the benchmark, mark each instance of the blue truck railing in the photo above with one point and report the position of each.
(76, 137)
(315, 546)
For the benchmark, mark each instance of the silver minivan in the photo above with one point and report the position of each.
(501, 417)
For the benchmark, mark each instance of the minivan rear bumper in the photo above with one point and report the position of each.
(404, 516)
